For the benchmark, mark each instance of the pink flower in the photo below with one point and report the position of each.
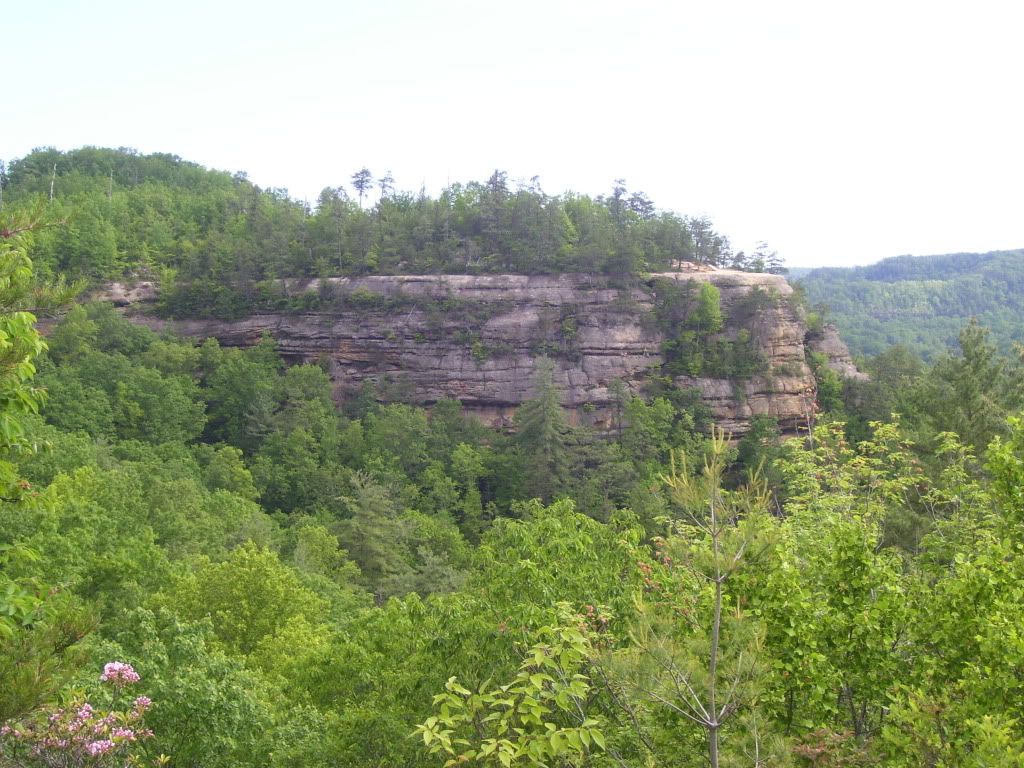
(99, 747)
(119, 673)
(127, 734)
(143, 703)
(85, 712)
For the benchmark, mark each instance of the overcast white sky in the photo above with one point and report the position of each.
(840, 133)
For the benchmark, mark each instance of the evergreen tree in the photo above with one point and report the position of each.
(362, 180)
(541, 435)
(976, 389)
(375, 537)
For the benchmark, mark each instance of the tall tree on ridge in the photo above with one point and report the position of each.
(362, 180)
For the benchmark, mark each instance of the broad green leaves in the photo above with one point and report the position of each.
(539, 718)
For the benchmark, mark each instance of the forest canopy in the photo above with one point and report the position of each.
(205, 562)
(922, 302)
(130, 213)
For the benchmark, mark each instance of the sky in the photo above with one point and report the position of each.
(838, 133)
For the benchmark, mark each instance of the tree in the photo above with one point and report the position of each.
(766, 260)
(248, 597)
(696, 654)
(976, 389)
(20, 342)
(386, 184)
(376, 536)
(542, 435)
(641, 205)
(1006, 468)
(362, 180)
(211, 709)
(538, 718)
(835, 602)
(709, 247)
(20, 345)
(707, 315)
(241, 392)
(957, 706)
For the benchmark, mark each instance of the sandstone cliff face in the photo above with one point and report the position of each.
(477, 339)
(828, 343)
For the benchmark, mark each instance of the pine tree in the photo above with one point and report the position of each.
(542, 435)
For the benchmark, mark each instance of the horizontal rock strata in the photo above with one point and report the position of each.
(477, 339)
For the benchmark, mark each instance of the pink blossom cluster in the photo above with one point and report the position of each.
(99, 747)
(79, 735)
(119, 673)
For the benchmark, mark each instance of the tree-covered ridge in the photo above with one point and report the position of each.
(129, 213)
(205, 563)
(923, 301)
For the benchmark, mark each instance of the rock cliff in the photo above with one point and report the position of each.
(827, 342)
(423, 338)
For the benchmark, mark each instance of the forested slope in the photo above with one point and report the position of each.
(128, 212)
(205, 563)
(923, 301)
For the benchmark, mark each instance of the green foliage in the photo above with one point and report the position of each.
(695, 666)
(541, 435)
(1006, 468)
(977, 389)
(699, 343)
(296, 585)
(222, 237)
(247, 597)
(707, 314)
(20, 344)
(40, 651)
(923, 302)
(829, 387)
(208, 708)
(556, 553)
(539, 717)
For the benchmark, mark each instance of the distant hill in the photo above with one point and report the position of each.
(922, 301)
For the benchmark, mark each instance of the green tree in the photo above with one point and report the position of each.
(241, 393)
(248, 597)
(976, 389)
(210, 709)
(362, 180)
(697, 656)
(540, 717)
(20, 345)
(706, 317)
(375, 536)
(542, 435)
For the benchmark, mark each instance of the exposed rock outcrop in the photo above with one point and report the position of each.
(828, 343)
(476, 338)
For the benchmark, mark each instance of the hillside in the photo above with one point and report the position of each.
(922, 301)
(128, 213)
(204, 558)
